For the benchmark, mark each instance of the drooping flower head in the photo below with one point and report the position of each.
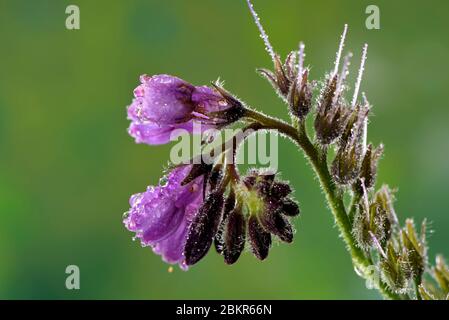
(164, 103)
(161, 216)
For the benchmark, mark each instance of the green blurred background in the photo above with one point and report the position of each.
(68, 166)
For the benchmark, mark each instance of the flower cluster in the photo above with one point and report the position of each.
(200, 205)
(164, 216)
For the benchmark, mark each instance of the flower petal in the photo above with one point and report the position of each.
(153, 134)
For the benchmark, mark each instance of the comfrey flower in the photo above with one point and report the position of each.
(164, 103)
(161, 216)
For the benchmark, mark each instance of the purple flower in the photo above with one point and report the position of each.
(161, 216)
(164, 103)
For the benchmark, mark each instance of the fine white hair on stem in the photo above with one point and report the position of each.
(359, 76)
(263, 34)
(340, 49)
(301, 56)
(365, 126)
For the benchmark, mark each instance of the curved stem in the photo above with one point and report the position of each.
(353, 207)
(299, 135)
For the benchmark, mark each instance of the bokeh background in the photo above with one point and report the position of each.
(68, 166)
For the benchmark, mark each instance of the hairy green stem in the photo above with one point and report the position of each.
(353, 206)
(362, 262)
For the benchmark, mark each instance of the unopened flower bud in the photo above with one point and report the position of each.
(354, 123)
(384, 197)
(203, 228)
(415, 251)
(300, 97)
(326, 101)
(368, 171)
(391, 266)
(348, 161)
(332, 115)
(370, 221)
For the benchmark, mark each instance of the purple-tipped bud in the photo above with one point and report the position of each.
(385, 198)
(371, 221)
(354, 125)
(330, 126)
(260, 240)
(300, 97)
(368, 171)
(376, 218)
(348, 161)
(391, 265)
(346, 165)
(203, 228)
(332, 115)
